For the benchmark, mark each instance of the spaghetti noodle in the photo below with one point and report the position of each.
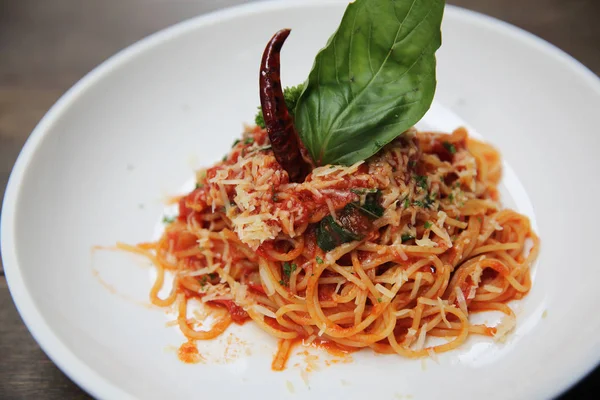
(249, 243)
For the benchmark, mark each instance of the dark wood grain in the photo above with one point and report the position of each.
(46, 46)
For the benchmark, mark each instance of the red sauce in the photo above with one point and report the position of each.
(188, 353)
(182, 240)
(274, 324)
(326, 291)
(196, 200)
(238, 315)
(333, 348)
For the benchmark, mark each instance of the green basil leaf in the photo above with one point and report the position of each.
(363, 191)
(330, 234)
(374, 79)
(373, 204)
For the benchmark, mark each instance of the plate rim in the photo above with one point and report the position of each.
(68, 362)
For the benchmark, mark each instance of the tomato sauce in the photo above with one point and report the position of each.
(189, 354)
(238, 315)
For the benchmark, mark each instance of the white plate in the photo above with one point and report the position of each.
(99, 164)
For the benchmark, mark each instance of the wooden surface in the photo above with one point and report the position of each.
(46, 46)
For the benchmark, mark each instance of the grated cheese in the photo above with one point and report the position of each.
(460, 298)
(492, 289)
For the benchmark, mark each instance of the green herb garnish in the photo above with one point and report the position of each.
(372, 205)
(288, 268)
(168, 220)
(430, 199)
(374, 79)
(421, 181)
(236, 142)
(362, 191)
(450, 147)
(330, 234)
(259, 120)
(406, 237)
(319, 260)
(248, 140)
(199, 185)
(427, 225)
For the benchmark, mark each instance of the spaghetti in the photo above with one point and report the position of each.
(249, 244)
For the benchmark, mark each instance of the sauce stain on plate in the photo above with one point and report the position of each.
(189, 354)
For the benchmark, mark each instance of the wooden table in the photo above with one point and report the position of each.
(46, 46)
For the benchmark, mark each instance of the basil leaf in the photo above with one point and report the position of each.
(374, 79)
(330, 234)
(373, 204)
(363, 191)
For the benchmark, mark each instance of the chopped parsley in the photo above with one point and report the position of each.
(168, 220)
(363, 191)
(288, 268)
(224, 158)
(406, 202)
(427, 224)
(451, 197)
(379, 299)
(412, 163)
(319, 260)
(421, 181)
(236, 142)
(199, 185)
(282, 283)
(213, 275)
(429, 200)
(203, 280)
(248, 140)
(260, 119)
(406, 237)
(450, 147)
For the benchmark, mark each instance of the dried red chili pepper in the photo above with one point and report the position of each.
(284, 138)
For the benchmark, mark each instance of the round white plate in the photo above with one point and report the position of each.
(98, 166)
